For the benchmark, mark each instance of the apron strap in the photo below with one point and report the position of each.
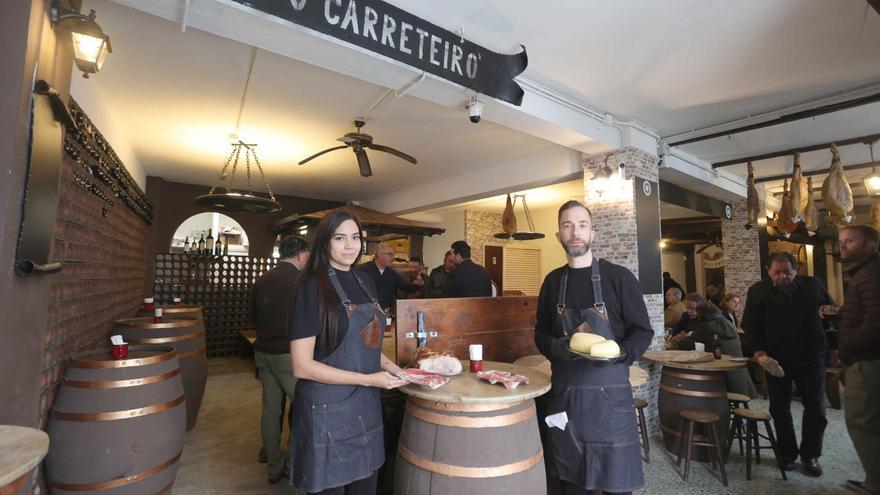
(337, 286)
(563, 284)
(596, 278)
(365, 289)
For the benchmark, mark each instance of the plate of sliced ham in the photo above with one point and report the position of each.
(509, 380)
(424, 378)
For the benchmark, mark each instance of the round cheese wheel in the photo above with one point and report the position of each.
(606, 349)
(581, 341)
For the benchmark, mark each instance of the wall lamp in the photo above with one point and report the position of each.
(872, 182)
(90, 44)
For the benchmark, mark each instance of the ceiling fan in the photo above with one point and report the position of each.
(358, 142)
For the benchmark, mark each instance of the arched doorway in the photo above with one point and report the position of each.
(218, 227)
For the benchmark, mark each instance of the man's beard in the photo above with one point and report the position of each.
(577, 251)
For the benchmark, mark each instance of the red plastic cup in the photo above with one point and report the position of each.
(177, 301)
(119, 351)
(148, 304)
(157, 315)
(476, 366)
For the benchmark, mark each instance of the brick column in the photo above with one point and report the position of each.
(619, 232)
(480, 228)
(742, 256)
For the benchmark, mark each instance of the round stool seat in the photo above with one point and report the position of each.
(752, 414)
(700, 416)
(734, 397)
(640, 403)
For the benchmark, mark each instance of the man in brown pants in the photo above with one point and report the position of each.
(859, 343)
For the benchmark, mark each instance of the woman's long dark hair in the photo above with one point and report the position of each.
(317, 267)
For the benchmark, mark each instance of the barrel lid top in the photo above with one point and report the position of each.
(147, 322)
(723, 364)
(138, 355)
(21, 449)
(180, 308)
(466, 388)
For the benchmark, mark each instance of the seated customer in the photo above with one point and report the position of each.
(675, 309)
(729, 306)
(711, 323)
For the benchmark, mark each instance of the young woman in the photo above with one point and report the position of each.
(729, 306)
(336, 349)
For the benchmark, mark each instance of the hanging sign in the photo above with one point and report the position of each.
(713, 258)
(387, 30)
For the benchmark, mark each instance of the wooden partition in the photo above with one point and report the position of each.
(505, 326)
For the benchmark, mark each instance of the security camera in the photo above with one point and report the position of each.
(475, 110)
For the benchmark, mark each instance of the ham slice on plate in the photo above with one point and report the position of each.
(424, 378)
(507, 379)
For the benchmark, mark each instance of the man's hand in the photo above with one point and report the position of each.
(559, 349)
(759, 354)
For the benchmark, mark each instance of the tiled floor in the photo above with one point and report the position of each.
(220, 454)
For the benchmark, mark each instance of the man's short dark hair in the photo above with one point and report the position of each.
(868, 233)
(292, 245)
(417, 259)
(461, 248)
(572, 204)
(783, 257)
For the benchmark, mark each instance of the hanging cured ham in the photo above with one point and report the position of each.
(875, 213)
(811, 213)
(753, 206)
(836, 193)
(786, 223)
(508, 218)
(799, 190)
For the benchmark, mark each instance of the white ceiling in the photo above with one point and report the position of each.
(676, 65)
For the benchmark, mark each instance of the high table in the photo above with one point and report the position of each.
(637, 376)
(690, 385)
(469, 436)
(21, 450)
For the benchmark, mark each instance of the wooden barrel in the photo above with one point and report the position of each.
(691, 389)
(454, 448)
(176, 312)
(117, 426)
(185, 336)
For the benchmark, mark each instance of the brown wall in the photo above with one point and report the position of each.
(29, 45)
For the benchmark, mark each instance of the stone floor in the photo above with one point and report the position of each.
(220, 454)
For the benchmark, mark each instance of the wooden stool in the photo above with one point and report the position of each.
(751, 418)
(737, 401)
(832, 386)
(708, 420)
(640, 405)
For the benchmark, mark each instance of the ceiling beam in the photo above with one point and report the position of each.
(805, 114)
(804, 149)
(817, 172)
(875, 4)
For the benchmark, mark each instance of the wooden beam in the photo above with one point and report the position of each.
(805, 149)
(875, 4)
(818, 172)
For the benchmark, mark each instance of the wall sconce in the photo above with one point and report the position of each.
(90, 44)
(872, 182)
(606, 183)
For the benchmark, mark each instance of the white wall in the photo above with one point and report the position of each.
(552, 254)
(674, 262)
(434, 247)
(91, 101)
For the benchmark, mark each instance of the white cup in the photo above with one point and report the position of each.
(476, 352)
(699, 346)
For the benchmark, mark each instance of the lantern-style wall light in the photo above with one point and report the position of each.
(872, 182)
(90, 44)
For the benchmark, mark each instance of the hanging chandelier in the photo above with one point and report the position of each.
(230, 200)
(235, 201)
(508, 222)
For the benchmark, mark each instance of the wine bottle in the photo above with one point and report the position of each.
(218, 246)
(209, 243)
(226, 246)
(186, 245)
(716, 349)
(202, 244)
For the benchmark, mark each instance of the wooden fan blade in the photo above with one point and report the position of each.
(386, 149)
(363, 162)
(316, 155)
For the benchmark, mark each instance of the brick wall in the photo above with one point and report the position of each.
(480, 228)
(105, 265)
(742, 257)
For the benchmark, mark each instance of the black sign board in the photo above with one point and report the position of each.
(648, 235)
(387, 30)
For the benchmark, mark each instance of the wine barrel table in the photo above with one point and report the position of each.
(187, 337)
(21, 450)
(469, 436)
(691, 385)
(117, 426)
(176, 312)
(637, 376)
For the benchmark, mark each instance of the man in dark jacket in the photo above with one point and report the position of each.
(468, 279)
(387, 280)
(271, 301)
(439, 277)
(859, 342)
(782, 321)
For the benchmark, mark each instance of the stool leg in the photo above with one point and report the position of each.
(757, 443)
(775, 448)
(690, 449)
(716, 447)
(749, 424)
(643, 429)
(682, 441)
(737, 426)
